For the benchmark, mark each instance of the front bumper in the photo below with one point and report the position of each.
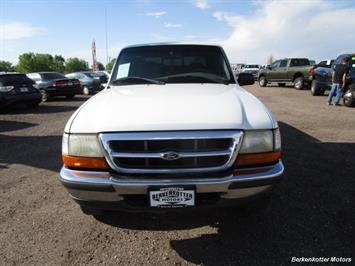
(106, 190)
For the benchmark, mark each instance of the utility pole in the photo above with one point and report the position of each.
(107, 59)
(93, 50)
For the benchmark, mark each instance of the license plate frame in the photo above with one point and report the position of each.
(171, 197)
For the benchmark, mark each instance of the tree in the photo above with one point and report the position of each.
(30, 62)
(110, 64)
(270, 59)
(75, 64)
(6, 66)
(58, 63)
(100, 66)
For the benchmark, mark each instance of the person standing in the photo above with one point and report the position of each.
(338, 77)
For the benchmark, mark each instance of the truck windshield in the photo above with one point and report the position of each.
(52, 75)
(251, 66)
(160, 64)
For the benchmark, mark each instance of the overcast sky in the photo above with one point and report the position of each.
(248, 30)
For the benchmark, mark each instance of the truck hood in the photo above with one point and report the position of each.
(170, 107)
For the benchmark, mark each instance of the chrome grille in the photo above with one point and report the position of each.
(171, 152)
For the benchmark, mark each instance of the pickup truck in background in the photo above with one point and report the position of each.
(173, 129)
(322, 79)
(288, 70)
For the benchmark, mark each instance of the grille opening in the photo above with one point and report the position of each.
(157, 163)
(182, 145)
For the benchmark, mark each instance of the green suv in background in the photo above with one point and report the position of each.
(288, 70)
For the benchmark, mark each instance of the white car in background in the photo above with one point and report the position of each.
(173, 129)
(252, 69)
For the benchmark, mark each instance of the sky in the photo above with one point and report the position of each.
(249, 31)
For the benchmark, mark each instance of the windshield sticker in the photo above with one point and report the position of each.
(353, 58)
(123, 70)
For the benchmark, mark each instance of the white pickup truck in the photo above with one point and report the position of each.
(173, 129)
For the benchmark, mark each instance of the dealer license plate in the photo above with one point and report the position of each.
(171, 197)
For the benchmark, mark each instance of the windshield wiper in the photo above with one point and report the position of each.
(192, 76)
(139, 80)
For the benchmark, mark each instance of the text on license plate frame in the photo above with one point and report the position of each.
(172, 197)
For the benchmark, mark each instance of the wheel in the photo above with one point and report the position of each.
(45, 96)
(262, 81)
(281, 84)
(348, 99)
(298, 83)
(71, 96)
(85, 90)
(92, 211)
(316, 90)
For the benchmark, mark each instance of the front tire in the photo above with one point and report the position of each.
(316, 90)
(85, 90)
(348, 99)
(262, 81)
(45, 96)
(298, 83)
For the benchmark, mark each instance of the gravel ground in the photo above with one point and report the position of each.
(311, 212)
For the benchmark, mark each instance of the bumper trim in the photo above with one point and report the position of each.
(88, 187)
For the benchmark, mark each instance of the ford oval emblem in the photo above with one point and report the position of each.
(170, 156)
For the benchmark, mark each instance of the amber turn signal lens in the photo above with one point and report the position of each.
(85, 162)
(258, 158)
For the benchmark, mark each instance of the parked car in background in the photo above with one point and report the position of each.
(288, 70)
(104, 77)
(173, 130)
(17, 88)
(52, 84)
(321, 75)
(90, 81)
(252, 69)
(312, 62)
(322, 80)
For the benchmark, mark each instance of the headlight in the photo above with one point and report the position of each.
(260, 147)
(83, 145)
(257, 141)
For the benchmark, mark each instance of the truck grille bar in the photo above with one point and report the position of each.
(171, 152)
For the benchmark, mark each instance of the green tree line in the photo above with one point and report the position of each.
(36, 62)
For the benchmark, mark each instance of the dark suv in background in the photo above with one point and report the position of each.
(18, 88)
(90, 81)
(52, 84)
(288, 70)
(322, 79)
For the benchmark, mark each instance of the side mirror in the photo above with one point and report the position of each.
(245, 79)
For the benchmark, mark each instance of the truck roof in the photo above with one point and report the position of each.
(169, 43)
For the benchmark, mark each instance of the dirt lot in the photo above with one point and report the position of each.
(311, 212)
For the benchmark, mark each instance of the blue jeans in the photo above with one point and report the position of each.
(335, 90)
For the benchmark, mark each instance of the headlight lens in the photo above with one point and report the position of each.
(83, 145)
(258, 141)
